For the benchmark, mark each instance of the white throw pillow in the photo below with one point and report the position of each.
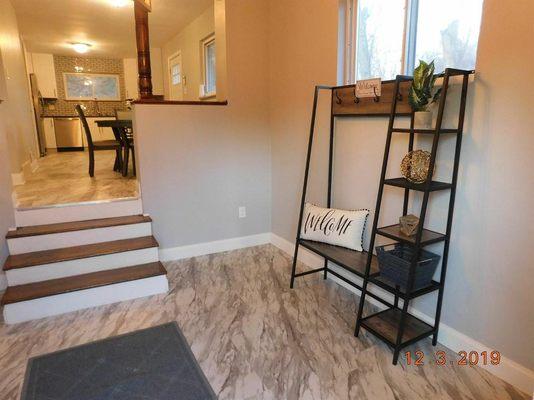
(338, 227)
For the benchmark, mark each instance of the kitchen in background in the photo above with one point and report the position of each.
(58, 127)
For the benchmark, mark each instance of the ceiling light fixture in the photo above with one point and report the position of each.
(81, 48)
(119, 3)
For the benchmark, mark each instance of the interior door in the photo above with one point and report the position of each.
(175, 77)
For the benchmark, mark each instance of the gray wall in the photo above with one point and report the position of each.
(198, 164)
(489, 286)
(7, 218)
(7, 58)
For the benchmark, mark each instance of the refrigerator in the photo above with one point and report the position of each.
(38, 104)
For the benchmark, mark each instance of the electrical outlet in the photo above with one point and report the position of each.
(242, 212)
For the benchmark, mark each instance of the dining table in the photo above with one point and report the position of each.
(121, 129)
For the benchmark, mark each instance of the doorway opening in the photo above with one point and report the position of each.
(176, 79)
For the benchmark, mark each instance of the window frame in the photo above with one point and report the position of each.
(409, 41)
(94, 95)
(210, 39)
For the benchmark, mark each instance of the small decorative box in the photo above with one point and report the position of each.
(408, 224)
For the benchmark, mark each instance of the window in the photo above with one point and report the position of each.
(390, 36)
(81, 86)
(209, 87)
(176, 74)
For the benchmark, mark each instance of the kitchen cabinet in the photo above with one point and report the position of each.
(50, 133)
(43, 67)
(131, 75)
(98, 133)
(131, 78)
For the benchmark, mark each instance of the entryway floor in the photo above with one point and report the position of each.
(255, 338)
(63, 178)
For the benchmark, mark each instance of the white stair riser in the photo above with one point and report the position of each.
(68, 302)
(63, 269)
(77, 238)
(78, 212)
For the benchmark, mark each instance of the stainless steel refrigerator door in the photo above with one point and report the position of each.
(37, 101)
(68, 134)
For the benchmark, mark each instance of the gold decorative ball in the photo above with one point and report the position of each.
(415, 165)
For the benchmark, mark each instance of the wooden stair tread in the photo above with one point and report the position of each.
(78, 252)
(31, 291)
(76, 226)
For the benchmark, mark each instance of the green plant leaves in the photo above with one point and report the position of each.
(422, 86)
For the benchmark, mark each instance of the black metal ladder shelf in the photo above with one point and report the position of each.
(394, 325)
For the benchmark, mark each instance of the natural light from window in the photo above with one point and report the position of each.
(380, 38)
(392, 35)
(447, 32)
(211, 71)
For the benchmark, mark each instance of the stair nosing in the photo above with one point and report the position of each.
(151, 242)
(14, 235)
(160, 271)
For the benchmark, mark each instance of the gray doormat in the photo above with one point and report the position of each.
(150, 364)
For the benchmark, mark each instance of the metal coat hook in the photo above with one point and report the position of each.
(377, 97)
(338, 99)
(356, 98)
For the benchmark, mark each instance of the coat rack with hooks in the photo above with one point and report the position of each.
(394, 325)
(346, 103)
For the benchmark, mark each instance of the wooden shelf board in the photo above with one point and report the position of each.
(388, 285)
(394, 232)
(424, 131)
(385, 325)
(421, 187)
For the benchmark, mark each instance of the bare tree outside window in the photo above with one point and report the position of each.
(445, 31)
(448, 36)
(380, 36)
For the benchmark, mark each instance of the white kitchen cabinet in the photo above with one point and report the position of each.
(131, 74)
(43, 67)
(98, 133)
(131, 78)
(50, 133)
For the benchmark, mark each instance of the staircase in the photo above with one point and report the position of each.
(68, 260)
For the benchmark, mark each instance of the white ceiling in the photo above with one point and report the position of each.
(48, 26)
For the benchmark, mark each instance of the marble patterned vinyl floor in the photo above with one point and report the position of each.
(63, 178)
(256, 339)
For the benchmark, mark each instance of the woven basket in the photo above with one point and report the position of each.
(394, 262)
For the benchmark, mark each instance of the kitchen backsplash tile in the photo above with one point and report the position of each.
(90, 65)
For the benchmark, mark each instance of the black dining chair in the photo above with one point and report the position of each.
(99, 145)
(127, 139)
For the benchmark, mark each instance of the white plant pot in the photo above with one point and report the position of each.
(423, 119)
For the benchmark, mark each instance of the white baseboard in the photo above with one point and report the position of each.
(508, 370)
(17, 178)
(200, 249)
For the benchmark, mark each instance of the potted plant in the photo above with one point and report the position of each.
(420, 96)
